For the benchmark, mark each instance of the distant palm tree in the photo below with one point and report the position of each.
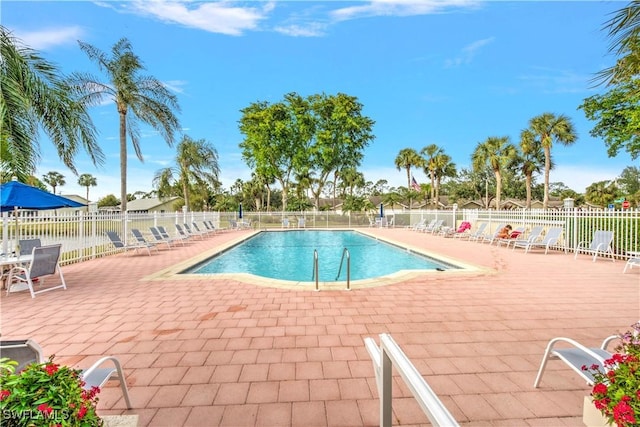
(548, 127)
(531, 161)
(87, 180)
(196, 166)
(443, 168)
(495, 152)
(408, 158)
(145, 97)
(601, 193)
(54, 179)
(34, 95)
(430, 152)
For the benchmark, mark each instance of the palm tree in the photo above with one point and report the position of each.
(624, 31)
(408, 158)
(54, 179)
(196, 166)
(145, 97)
(443, 168)
(601, 193)
(495, 152)
(531, 161)
(430, 152)
(34, 95)
(548, 127)
(87, 180)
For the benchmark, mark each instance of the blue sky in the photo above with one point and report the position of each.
(445, 72)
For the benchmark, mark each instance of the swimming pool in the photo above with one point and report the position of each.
(289, 255)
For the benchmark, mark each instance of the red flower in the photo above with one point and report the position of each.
(45, 408)
(623, 413)
(599, 389)
(82, 412)
(51, 368)
(4, 394)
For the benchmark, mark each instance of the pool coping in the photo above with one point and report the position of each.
(175, 271)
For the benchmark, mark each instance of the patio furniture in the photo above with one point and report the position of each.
(120, 244)
(575, 356)
(45, 261)
(633, 261)
(137, 234)
(26, 352)
(600, 244)
(551, 238)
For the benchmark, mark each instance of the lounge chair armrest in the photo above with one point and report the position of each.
(576, 344)
(96, 375)
(608, 340)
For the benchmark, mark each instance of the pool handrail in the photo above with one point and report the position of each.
(386, 356)
(314, 273)
(345, 251)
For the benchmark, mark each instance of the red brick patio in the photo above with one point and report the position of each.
(203, 352)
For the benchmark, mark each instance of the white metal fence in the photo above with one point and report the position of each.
(83, 236)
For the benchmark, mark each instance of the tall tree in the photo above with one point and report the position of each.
(617, 112)
(87, 180)
(54, 179)
(531, 161)
(145, 97)
(406, 159)
(497, 153)
(443, 168)
(341, 133)
(277, 137)
(430, 152)
(33, 95)
(548, 128)
(601, 193)
(196, 167)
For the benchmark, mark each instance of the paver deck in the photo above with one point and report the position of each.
(203, 352)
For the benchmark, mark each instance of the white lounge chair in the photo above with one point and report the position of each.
(516, 234)
(576, 356)
(45, 261)
(599, 245)
(534, 235)
(633, 261)
(26, 352)
(120, 244)
(435, 227)
(161, 239)
(479, 233)
(493, 236)
(137, 234)
(423, 225)
(551, 238)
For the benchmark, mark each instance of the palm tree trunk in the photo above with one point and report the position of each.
(547, 168)
(528, 187)
(123, 161)
(498, 188)
(408, 177)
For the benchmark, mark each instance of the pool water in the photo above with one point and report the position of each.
(288, 255)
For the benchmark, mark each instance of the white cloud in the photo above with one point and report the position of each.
(398, 8)
(314, 29)
(550, 80)
(51, 37)
(215, 17)
(468, 52)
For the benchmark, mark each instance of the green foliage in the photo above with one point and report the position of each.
(54, 179)
(313, 136)
(616, 386)
(47, 394)
(34, 95)
(108, 200)
(146, 98)
(617, 117)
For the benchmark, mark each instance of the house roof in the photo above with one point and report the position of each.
(148, 204)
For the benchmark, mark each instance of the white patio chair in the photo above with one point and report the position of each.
(600, 244)
(26, 352)
(118, 243)
(551, 238)
(44, 262)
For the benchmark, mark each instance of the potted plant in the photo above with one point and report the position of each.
(45, 394)
(616, 386)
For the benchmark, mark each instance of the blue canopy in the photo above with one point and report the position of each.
(240, 211)
(16, 195)
(381, 211)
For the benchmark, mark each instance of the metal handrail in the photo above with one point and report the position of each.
(345, 251)
(384, 358)
(314, 274)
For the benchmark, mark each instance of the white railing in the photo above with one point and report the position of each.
(389, 355)
(83, 233)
